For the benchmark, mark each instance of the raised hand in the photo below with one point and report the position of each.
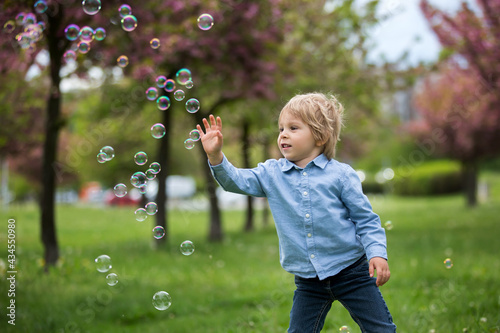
(211, 139)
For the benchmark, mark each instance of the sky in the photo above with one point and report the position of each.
(404, 24)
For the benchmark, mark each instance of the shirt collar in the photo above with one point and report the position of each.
(320, 161)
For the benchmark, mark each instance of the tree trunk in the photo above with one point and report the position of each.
(162, 196)
(245, 138)
(470, 176)
(52, 126)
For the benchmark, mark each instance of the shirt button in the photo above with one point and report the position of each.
(307, 215)
(309, 235)
(305, 193)
(304, 173)
(312, 256)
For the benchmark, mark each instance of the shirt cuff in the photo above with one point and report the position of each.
(376, 251)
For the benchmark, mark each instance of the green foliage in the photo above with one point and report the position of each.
(429, 178)
(238, 285)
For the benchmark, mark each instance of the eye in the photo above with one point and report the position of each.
(293, 128)
(281, 129)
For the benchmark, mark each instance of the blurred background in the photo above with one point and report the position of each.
(100, 100)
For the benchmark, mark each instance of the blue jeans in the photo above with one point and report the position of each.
(353, 288)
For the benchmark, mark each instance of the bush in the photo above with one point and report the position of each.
(430, 178)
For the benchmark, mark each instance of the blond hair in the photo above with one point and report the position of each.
(322, 113)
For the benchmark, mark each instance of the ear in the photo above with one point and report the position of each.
(320, 143)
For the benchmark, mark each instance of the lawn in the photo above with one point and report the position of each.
(238, 285)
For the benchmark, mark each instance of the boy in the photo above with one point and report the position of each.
(325, 224)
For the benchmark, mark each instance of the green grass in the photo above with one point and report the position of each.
(238, 285)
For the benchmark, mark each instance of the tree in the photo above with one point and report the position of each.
(465, 108)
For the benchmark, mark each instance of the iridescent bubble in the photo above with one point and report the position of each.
(344, 329)
(158, 131)
(142, 189)
(158, 232)
(124, 10)
(109, 151)
(151, 93)
(189, 144)
(140, 214)
(120, 190)
(34, 31)
(179, 95)
(194, 135)
(155, 43)
(388, 225)
(9, 26)
(29, 18)
(163, 103)
(138, 179)
(187, 248)
(102, 157)
(129, 23)
(103, 263)
(83, 47)
(42, 25)
(122, 61)
(448, 263)
(40, 6)
(156, 167)
(72, 32)
(162, 300)
(189, 84)
(24, 40)
(112, 279)
(150, 174)
(205, 21)
(151, 208)
(183, 75)
(86, 34)
(141, 158)
(100, 34)
(169, 85)
(69, 56)
(160, 81)
(192, 105)
(91, 7)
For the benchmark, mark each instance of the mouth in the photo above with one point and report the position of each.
(284, 146)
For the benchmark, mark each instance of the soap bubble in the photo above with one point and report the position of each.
(69, 56)
(122, 61)
(103, 263)
(86, 34)
(91, 7)
(155, 43)
(109, 151)
(129, 23)
(83, 47)
(169, 85)
(9, 26)
(151, 208)
(112, 279)
(40, 6)
(448, 263)
(344, 329)
(158, 232)
(100, 34)
(20, 18)
(179, 95)
(194, 135)
(189, 84)
(160, 81)
(142, 189)
(205, 21)
(192, 105)
(187, 248)
(140, 158)
(156, 167)
(158, 131)
(183, 76)
(120, 190)
(140, 214)
(189, 144)
(150, 174)
(163, 103)
(102, 157)
(151, 93)
(72, 32)
(388, 225)
(138, 179)
(124, 10)
(162, 300)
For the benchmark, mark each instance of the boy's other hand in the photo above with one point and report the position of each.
(382, 267)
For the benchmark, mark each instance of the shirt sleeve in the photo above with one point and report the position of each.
(242, 181)
(368, 225)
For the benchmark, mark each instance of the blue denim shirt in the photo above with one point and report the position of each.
(323, 220)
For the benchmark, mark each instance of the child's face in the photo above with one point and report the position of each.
(296, 141)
